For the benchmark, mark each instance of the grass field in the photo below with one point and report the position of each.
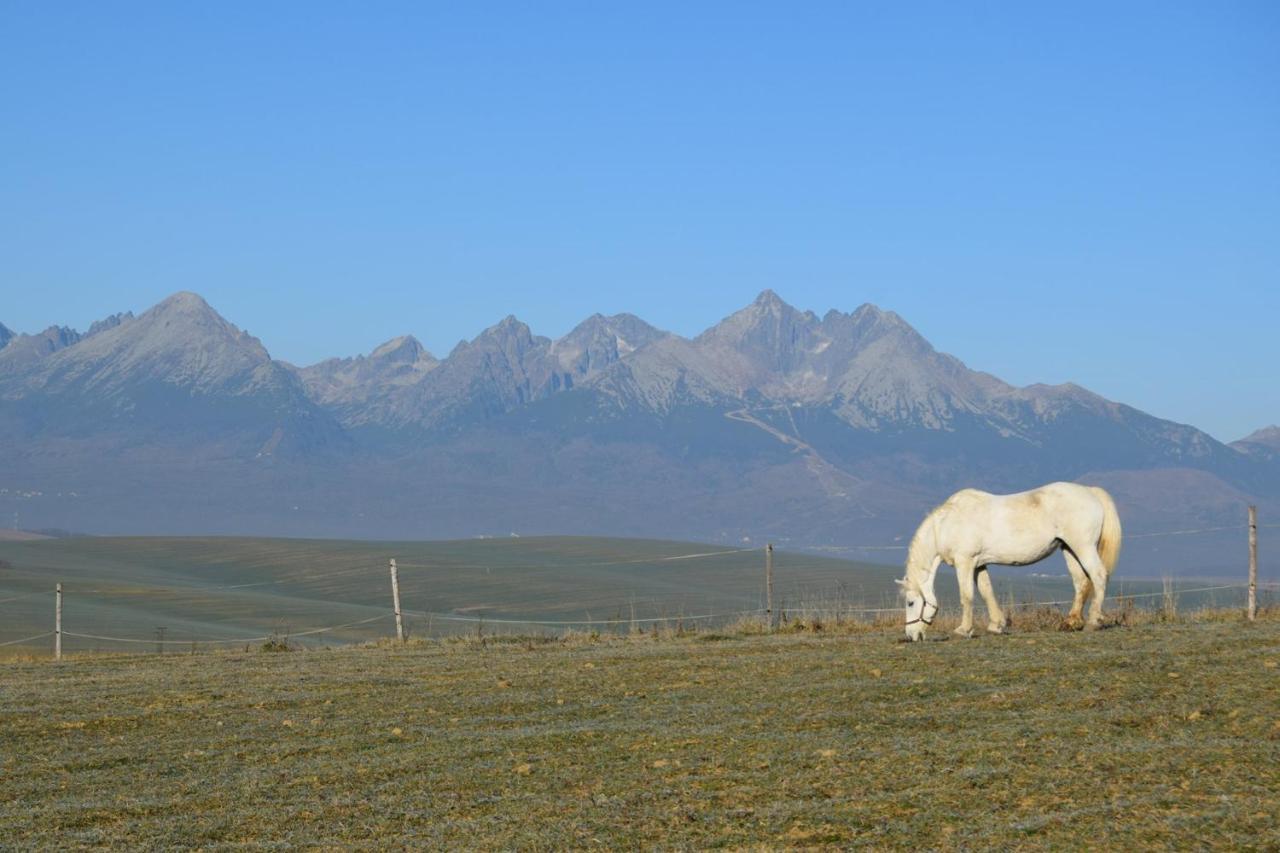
(218, 588)
(1154, 736)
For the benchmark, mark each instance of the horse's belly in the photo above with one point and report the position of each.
(1028, 560)
(1019, 551)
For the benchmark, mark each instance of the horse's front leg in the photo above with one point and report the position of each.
(964, 574)
(996, 620)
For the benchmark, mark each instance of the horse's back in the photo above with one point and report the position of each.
(969, 498)
(1070, 510)
(1047, 505)
(1047, 497)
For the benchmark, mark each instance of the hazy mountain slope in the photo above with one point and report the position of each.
(828, 431)
(179, 373)
(108, 323)
(401, 387)
(23, 351)
(867, 394)
(597, 343)
(502, 368)
(1261, 444)
(359, 389)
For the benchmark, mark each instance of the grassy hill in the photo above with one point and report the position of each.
(1159, 736)
(211, 589)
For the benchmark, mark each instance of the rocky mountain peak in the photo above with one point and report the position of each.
(24, 351)
(184, 301)
(868, 318)
(180, 342)
(405, 348)
(510, 324)
(1266, 435)
(871, 328)
(365, 387)
(627, 330)
(108, 323)
(5, 336)
(600, 341)
(769, 300)
(1265, 442)
(772, 335)
(184, 323)
(179, 367)
(59, 337)
(510, 335)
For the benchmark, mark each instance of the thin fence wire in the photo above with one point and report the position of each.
(197, 588)
(1187, 532)
(584, 565)
(558, 623)
(27, 639)
(452, 617)
(262, 639)
(28, 595)
(585, 623)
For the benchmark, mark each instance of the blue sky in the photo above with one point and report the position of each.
(1051, 192)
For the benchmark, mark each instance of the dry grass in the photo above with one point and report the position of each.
(1158, 734)
(1121, 612)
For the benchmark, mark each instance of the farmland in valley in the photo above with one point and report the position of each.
(220, 588)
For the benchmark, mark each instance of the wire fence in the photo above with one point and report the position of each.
(231, 640)
(823, 594)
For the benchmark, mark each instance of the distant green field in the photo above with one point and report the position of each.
(213, 589)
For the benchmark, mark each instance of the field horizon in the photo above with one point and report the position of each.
(167, 593)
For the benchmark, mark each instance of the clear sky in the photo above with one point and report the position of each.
(1052, 192)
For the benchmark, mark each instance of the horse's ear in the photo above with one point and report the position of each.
(899, 582)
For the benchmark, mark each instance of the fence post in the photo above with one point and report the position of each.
(768, 584)
(395, 600)
(57, 623)
(1252, 609)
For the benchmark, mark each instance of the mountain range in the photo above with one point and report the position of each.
(826, 432)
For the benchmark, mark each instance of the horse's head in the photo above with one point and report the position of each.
(921, 607)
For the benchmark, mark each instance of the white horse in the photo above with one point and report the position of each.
(972, 529)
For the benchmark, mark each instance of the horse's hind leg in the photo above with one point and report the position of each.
(964, 574)
(1097, 572)
(996, 619)
(1075, 619)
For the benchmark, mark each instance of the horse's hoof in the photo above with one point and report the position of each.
(967, 633)
(996, 629)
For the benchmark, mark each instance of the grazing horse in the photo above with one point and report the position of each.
(973, 529)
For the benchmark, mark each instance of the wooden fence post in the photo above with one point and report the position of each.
(768, 584)
(57, 623)
(1252, 608)
(395, 600)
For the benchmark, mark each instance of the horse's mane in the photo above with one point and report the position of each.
(923, 548)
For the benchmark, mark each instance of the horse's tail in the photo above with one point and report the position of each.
(1109, 539)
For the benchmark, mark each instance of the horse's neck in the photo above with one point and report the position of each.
(922, 556)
